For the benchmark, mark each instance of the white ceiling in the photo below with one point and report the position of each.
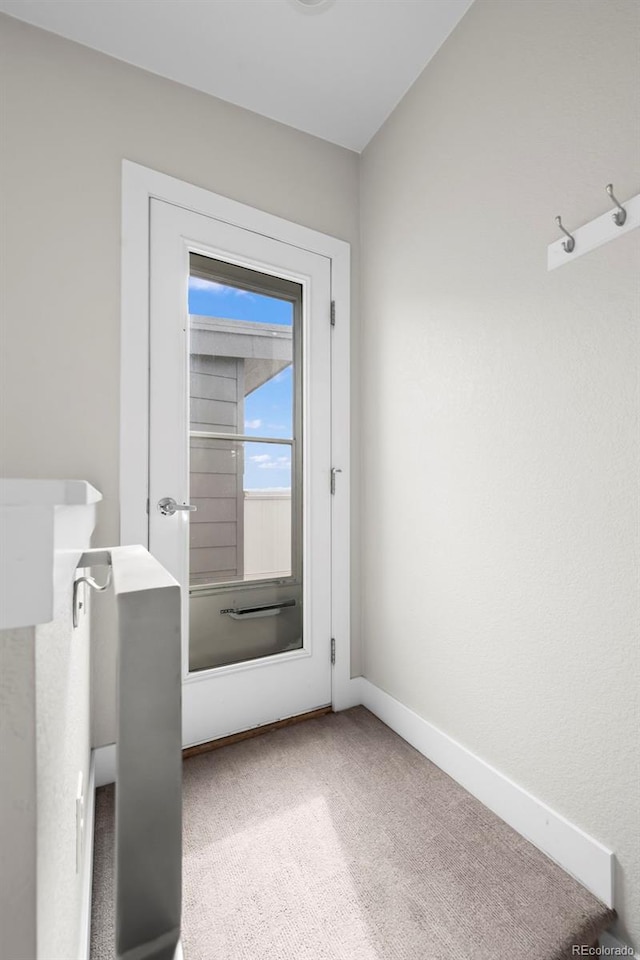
(336, 71)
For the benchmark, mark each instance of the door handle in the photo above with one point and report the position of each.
(168, 506)
(250, 613)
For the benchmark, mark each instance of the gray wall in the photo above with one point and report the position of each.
(44, 746)
(69, 116)
(500, 408)
(63, 749)
(18, 799)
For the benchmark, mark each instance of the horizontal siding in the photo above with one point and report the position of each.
(212, 427)
(213, 456)
(213, 485)
(214, 366)
(205, 387)
(214, 510)
(213, 576)
(213, 412)
(213, 534)
(214, 559)
(216, 400)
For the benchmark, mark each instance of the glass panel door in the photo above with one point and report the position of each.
(245, 442)
(225, 427)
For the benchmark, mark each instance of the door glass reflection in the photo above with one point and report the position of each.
(245, 464)
(242, 528)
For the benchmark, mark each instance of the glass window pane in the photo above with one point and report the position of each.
(217, 639)
(241, 361)
(245, 465)
(242, 528)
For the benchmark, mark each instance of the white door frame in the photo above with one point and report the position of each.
(140, 185)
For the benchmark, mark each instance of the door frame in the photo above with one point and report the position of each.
(139, 186)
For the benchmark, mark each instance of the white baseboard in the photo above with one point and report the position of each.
(349, 694)
(105, 759)
(579, 854)
(608, 940)
(84, 945)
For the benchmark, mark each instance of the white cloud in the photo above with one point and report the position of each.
(252, 424)
(280, 464)
(212, 286)
(198, 283)
(266, 461)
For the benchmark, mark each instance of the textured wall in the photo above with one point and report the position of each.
(63, 746)
(44, 746)
(69, 116)
(18, 813)
(500, 408)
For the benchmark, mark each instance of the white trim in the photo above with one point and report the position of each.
(37, 519)
(105, 760)
(341, 499)
(84, 945)
(608, 940)
(352, 693)
(580, 855)
(140, 185)
(594, 234)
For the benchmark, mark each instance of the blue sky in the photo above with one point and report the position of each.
(268, 410)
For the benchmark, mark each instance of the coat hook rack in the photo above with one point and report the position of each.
(597, 232)
(567, 245)
(76, 602)
(620, 214)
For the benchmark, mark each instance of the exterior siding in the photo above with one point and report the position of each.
(217, 527)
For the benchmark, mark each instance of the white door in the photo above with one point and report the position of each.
(240, 429)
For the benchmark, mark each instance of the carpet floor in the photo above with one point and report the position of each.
(336, 840)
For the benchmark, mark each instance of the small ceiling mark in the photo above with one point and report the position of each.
(312, 6)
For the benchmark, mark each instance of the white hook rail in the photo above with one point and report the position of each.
(597, 232)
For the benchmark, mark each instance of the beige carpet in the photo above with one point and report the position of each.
(336, 840)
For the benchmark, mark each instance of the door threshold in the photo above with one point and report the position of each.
(253, 732)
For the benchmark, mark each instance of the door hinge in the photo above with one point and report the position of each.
(333, 313)
(334, 470)
(147, 506)
(333, 650)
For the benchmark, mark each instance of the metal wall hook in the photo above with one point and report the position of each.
(567, 245)
(77, 603)
(620, 214)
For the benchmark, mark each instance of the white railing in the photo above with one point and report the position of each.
(45, 530)
(149, 754)
(267, 533)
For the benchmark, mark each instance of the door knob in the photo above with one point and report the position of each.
(168, 506)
